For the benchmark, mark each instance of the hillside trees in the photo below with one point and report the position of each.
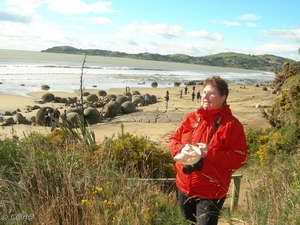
(285, 108)
(288, 70)
(227, 59)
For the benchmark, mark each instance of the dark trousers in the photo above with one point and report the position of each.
(200, 211)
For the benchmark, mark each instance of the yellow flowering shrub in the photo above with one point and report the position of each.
(264, 144)
(61, 140)
(270, 145)
(140, 153)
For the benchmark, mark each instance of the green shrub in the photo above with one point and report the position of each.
(140, 154)
(265, 144)
(252, 137)
(9, 155)
(286, 107)
(79, 186)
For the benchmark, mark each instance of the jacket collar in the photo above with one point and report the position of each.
(212, 113)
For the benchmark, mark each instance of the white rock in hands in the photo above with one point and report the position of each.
(189, 155)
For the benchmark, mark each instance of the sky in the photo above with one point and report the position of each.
(192, 27)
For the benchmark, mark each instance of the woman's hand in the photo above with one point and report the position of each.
(203, 148)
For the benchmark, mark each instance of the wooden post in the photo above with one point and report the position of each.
(235, 191)
(235, 188)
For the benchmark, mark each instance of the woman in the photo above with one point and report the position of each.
(218, 139)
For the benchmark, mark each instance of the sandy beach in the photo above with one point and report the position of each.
(242, 100)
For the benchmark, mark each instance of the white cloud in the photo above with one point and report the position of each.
(79, 6)
(98, 20)
(203, 34)
(230, 23)
(64, 6)
(226, 23)
(160, 30)
(14, 16)
(284, 50)
(199, 34)
(28, 5)
(217, 36)
(249, 17)
(251, 24)
(284, 35)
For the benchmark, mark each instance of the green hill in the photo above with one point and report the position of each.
(227, 59)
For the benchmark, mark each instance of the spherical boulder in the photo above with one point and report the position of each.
(86, 93)
(147, 99)
(177, 84)
(153, 99)
(40, 115)
(57, 99)
(74, 118)
(138, 99)
(92, 115)
(128, 107)
(191, 82)
(102, 93)
(48, 97)
(92, 98)
(128, 95)
(112, 109)
(136, 93)
(63, 100)
(121, 99)
(45, 87)
(77, 110)
(112, 97)
(154, 84)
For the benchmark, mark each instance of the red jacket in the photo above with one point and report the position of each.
(227, 151)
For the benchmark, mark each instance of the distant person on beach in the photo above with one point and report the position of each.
(47, 118)
(193, 96)
(146, 99)
(55, 118)
(167, 98)
(198, 96)
(180, 93)
(64, 114)
(208, 146)
(194, 88)
(185, 90)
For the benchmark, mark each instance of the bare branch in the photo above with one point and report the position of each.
(81, 82)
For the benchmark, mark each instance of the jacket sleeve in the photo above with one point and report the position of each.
(175, 139)
(231, 150)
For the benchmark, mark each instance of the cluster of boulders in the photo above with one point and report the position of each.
(8, 118)
(96, 107)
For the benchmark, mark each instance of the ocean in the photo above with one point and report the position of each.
(22, 72)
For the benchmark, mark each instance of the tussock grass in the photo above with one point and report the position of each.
(67, 178)
(72, 182)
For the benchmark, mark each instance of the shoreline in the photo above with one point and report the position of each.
(242, 100)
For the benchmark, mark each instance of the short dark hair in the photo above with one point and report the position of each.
(219, 83)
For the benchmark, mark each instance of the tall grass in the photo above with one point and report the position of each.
(272, 193)
(66, 178)
(66, 182)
